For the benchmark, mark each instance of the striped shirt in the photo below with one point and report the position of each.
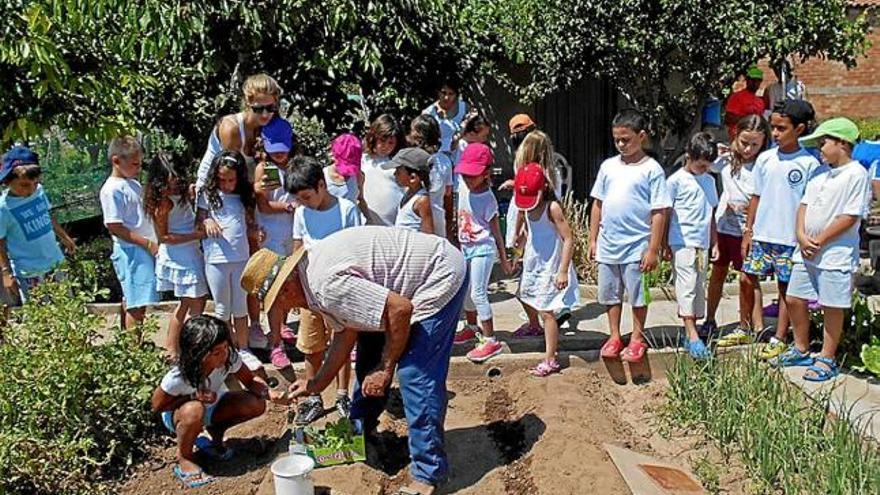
(349, 274)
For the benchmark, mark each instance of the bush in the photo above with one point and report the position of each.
(73, 400)
(577, 214)
(785, 439)
(90, 265)
(860, 327)
(869, 128)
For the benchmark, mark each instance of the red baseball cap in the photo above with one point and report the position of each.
(528, 186)
(475, 159)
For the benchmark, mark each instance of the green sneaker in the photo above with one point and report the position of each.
(772, 349)
(737, 337)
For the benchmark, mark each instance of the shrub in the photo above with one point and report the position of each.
(90, 265)
(577, 214)
(860, 327)
(73, 399)
(785, 439)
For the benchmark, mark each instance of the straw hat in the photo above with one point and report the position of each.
(266, 272)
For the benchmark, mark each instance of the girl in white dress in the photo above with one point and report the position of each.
(179, 264)
(549, 282)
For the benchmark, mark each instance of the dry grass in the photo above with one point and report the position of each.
(577, 213)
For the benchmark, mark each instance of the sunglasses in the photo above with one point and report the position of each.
(258, 109)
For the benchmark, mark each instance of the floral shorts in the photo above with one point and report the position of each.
(765, 258)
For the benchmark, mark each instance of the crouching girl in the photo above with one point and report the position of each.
(193, 397)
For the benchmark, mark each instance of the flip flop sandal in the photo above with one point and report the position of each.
(210, 450)
(526, 330)
(820, 373)
(611, 349)
(545, 368)
(634, 352)
(197, 479)
(793, 357)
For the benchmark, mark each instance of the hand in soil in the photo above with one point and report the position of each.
(297, 389)
(376, 383)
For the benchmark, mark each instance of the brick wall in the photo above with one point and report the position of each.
(835, 91)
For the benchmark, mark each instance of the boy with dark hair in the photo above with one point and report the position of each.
(780, 175)
(692, 234)
(626, 229)
(319, 215)
(828, 247)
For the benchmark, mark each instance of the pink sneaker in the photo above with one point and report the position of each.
(467, 334)
(279, 358)
(288, 335)
(485, 351)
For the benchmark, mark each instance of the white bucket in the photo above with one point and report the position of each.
(293, 475)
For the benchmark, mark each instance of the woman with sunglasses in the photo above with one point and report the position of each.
(239, 132)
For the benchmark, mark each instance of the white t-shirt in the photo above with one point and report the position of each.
(629, 192)
(121, 203)
(311, 225)
(780, 179)
(475, 214)
(693, 198)
(173, 382)
(382, 193)
(736, 192)
(232, 245)
(449, 127)
(347, 189)
(834, 192)
(441, 178)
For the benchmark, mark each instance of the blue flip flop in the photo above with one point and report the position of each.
(207, 447)
(197, 479)
(821, 374)
(793, 357)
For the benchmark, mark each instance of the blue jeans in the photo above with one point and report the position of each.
(480, 272)
(422, 372)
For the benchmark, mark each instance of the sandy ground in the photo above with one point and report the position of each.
(512, 435)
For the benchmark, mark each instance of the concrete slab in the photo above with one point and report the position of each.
(646, 475)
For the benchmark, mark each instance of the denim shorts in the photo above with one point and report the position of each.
(168, 416)
(136, 270)
(615, 279)
(832, 288)
(765, 258)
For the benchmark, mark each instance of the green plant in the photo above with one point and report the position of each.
(660, 276)
(861, 327)
(73, 399)
(90, 265)
(869, 128)
(709, 474)
(785, 439)
(577, 214)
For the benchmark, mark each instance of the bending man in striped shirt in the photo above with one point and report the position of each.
(398, 295)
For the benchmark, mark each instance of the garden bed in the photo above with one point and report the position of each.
(505, 435)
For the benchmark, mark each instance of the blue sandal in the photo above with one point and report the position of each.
(207, 447)
(197, 479)
(820, 373)
(793, 357)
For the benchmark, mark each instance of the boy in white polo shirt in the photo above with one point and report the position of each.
(626, 230)
(780, 176)
(691, 235)
(828, 247)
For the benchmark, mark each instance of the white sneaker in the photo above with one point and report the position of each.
(247, 357)
(256, 338)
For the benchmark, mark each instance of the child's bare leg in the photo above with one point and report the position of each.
(640, 315)
(175, 323)
(343, 379)
(532, 315)
(488, 328)
(690, 326)
(833, 331)
(253, 308)
(551, 335)
(800, 319)
(716, 287)
(754, 300)
(746, 302)
(614, 312)
(240, 331)
(782, 322)
(313, 363)
(234, 408)
(188, 425)
(134, 316)
(470, 317)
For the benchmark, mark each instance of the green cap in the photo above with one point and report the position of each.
(755, 73)
(840, 128)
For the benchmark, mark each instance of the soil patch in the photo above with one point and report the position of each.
(512, 435)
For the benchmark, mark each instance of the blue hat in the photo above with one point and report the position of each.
(277, 136)
(18, 155)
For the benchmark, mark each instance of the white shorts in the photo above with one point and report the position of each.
(832, 288)
(615, 279)
(690, 265)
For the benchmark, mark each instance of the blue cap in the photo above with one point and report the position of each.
(18, 155)
(277, 136)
